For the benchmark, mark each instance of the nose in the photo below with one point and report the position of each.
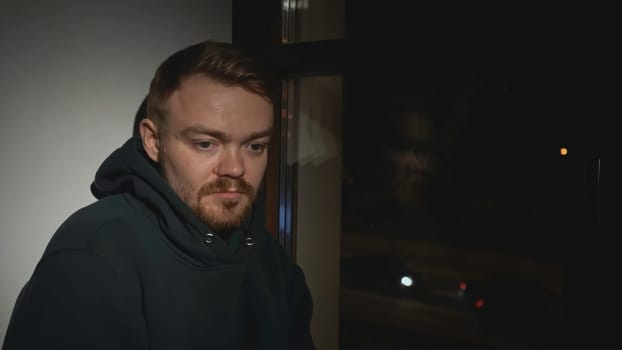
(230, 164)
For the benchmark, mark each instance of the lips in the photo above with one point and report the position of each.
(228, 194)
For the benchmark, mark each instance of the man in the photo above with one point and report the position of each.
(173, 255)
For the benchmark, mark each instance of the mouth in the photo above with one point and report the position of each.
(229, 194)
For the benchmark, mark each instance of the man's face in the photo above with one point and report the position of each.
(213, 151)
(413, 166)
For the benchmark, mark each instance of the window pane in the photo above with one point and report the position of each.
(315, 154)
(429, 203)
(455, 199)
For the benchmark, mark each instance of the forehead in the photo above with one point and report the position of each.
(202, 101)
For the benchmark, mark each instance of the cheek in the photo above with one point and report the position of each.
(199, 173)
(189, 173)
(255, 172)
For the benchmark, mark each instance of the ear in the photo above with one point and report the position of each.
(150, 137)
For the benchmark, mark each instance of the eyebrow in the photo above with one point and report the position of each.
(187, 132)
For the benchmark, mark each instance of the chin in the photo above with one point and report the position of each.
(221, 218)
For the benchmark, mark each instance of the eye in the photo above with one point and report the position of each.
(204, 144)
(257, 147)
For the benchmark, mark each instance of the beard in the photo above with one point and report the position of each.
(221, 215)
(224, 215)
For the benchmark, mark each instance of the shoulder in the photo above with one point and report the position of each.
(98, 212)
(108, 219)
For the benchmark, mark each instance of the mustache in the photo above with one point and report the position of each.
(226, 184)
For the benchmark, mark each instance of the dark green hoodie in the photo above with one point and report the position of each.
(137, 269)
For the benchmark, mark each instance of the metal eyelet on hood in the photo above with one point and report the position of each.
(208, 238)
(249, 241)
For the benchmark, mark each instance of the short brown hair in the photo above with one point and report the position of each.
(220, 61)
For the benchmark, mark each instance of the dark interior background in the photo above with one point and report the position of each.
(505, 86)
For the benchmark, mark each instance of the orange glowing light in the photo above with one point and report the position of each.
(563, 151)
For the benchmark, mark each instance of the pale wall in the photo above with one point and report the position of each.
(72, 74)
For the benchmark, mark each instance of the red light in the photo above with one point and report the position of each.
(479, 303)
(463, 286)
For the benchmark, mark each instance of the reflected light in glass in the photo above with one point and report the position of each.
(293, 4)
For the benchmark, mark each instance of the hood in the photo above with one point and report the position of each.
(128, 170)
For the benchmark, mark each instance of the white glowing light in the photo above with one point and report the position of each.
(406, 281)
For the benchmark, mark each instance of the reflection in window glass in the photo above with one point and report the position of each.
(314, 147)
(312, 20)
(450, 183)
(428, 205)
